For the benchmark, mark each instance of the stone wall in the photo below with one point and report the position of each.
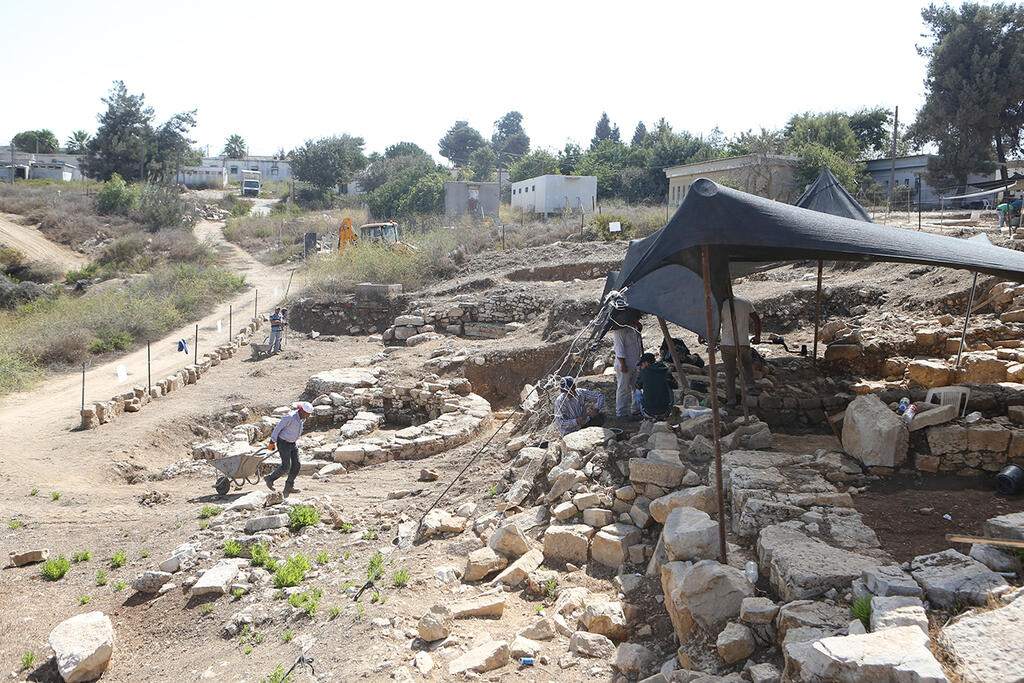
(344, 316)
(102, 412)
(490, 317)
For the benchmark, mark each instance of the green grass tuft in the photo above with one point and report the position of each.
(292, 572)
(54, 570)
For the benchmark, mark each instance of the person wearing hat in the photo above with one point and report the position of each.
(654, 388)
(572, 411)
(283, 439)
(277, 323)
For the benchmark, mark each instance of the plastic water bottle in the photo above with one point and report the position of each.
(526, 661)
(909, 413)
(750, 571)
(904, 402)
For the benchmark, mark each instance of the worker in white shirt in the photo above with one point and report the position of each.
(628, 345)
(745, 316)
(283, 439)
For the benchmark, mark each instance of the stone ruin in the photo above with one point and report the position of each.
(432, 415)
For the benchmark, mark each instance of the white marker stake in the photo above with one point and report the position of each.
(122, 373)
(275, 292)
(219, 329)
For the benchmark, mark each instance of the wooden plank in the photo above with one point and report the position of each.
(1002, 542)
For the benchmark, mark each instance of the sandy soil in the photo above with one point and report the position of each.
(29, 241)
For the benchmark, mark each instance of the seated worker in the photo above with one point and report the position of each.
(571, 408)
(654, 388)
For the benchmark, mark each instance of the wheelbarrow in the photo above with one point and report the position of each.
(239, 470)
(260, 351)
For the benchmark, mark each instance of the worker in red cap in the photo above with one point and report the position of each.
(283, 438)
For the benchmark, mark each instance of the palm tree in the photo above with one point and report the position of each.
(77, 142)
(235, 147)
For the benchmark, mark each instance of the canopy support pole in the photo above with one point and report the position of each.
(817, 315)
(739, 356)
(715, 419)
(967, 318)
(672, 350)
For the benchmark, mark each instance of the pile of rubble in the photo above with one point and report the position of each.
(435, 415)
(102, 412)
(491, 317)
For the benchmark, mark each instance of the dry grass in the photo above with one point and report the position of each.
(275, 239)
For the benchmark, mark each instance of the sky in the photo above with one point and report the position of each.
(280, 73)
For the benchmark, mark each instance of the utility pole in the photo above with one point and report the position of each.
(892, 160)
(11, 174)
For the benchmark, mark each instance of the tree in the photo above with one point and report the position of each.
(509, 139)
(764, 143)
(569, 158)
(816, 156)
(974, 86)
(127, 143)
(383, 168)
(831, 129)
(400, 149)
(603, 131)
(459, 142)
(235, 147)
(604, 161)
(37, 141)
(328, 162)
(77, 142)
(482, 164)
(537, 163)
(639, 135)
(873, 130)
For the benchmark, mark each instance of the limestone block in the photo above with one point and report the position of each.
(481, 562)
(758, 611)
(1010, 526)
(592, 645)
(896, 611)
(985, 647)
(690, 534)
(873, 434)
(82, 646)
(509, 540)
(570, 543)
(734, 643)
(947, 439)
(893, 655)
(634, 659)
(487, 657)
(935, 416)
(706, 594)
(950, 577)
(699, 497)
(436, 624)
(519, 570)
(607, 619)
(611, 544)
(217, 579)
(987, 436)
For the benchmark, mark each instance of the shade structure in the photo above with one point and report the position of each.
(828, 195)
(661, 273)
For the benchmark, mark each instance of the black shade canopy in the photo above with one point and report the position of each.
(828, 195)
(661, 273)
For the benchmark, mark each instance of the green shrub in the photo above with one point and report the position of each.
(259, 555)
(120, 586)
(110, 339)
(376, 567)
(84, 599)
(400, 578)
(308, 602)
(207, 609)
(83, 556)
(88, 272)
(118, 559)
(15, 524)
(277, 676)
(28, 660)
(232, 548)
(101, 578)
(333, 612)
(323, 558)
(54, 570)
(241, 208)
(292, 572)
(115, 196)
(209, 511)
(55, 495)
(861, 609)
(161, 206)
(370, 533)
(287, 636)
(302, 516)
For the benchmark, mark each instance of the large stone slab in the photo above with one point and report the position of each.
(339, 380)
(487, 657)
(690, 534)
(700, 497)
(216, 579)
(661, 468)
(896, 611)
(896, 655)
(706, 594)
(610, 545)
(890, 580)
(569, 543)
(987, 647)
(1009, 526)
(873, 434)
(799, 566)
(950, 577)
(517, 572)
(83, 645)
(587, 439)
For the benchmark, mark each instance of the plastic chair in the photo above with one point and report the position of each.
(950, 396)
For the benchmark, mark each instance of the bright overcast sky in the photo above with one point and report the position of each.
(279, 73)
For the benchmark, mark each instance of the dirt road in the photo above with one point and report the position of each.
(52, 407)
(35, 247)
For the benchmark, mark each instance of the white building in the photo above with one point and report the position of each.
(909, 168)
(203, 176)
(554, 193)
(55, 166)
(270, 168)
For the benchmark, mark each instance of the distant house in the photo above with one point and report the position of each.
(55, 170)
(202, 176)
(270, 167)
(466, 197)
(766, 175)
(553, 193)
(55, 166)
(910, 168)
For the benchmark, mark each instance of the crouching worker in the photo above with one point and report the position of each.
(654, 388)
(577, 408)
(283, 439)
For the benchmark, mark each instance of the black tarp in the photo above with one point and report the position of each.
(662, 273)
(827, 195)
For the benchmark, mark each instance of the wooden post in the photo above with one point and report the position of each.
(738, 347)
(817, 313)
(715, 419)
(967, 318)
(256, 305)
(149, 370)
(672, 350)
(195, 349)
(230, 306)
(82, 413)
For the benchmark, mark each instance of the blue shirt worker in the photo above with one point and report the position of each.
(277, 325)
(577, 408)
(283, 439)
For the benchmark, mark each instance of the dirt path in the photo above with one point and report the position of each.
(35, 247)
(52, 407)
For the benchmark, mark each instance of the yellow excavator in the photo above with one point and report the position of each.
(383, 233)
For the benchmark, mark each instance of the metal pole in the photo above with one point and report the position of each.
(82, 413)
(289, 287)
(229, 321)
(715, 419)
(967, 318)
(739, 356)
(892, 164)
(919, 185)
(817, 313)
(195, 349)
(256, 305)
(149, 370)
(672, 350)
